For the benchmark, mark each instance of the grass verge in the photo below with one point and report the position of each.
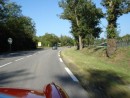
(102, 77)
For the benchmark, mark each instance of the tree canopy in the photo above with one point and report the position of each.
(84, 18)
(13, 24)
(115, 9)
(50, 39)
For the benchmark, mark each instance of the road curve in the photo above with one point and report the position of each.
(34, 69)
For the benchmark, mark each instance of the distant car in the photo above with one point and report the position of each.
(50, 91)
(54, 48)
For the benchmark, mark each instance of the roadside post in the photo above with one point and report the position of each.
(10, 40)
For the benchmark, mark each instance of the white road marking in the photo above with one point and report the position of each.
(28, 56)
(5, 64)
(61, 60)
(71, 75)
(19, 59)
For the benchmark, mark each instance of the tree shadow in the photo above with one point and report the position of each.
(97, 48)
(1, 59)
(73, 89)
(12, 77)
(101, 84)
(20, 53)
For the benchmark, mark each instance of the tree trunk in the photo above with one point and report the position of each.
(88, 42)
(77, 44)
(79, 36)
(83, 44)
(80, 43)
(111, 47)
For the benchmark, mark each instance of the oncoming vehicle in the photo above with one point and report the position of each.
(50, 91)
(54, 47)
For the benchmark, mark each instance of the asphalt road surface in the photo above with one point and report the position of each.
(34, 69)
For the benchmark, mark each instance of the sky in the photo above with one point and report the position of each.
(45, 14)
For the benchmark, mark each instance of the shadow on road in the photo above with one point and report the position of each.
(105, 84)
(13, 77)
(73, 89)
(21, 53)
(1, 59)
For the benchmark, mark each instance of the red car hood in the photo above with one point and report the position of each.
(50, 91)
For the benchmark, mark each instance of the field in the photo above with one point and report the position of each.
(102, 77)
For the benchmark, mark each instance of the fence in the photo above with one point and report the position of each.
(123, 43)
(119, 44)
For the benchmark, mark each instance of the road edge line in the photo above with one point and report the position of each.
(71, 74)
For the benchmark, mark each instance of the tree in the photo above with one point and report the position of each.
(90, 25)
(79, 13)
(50, 40)
(70, 13)
(115, 9)
(66, 41)
(13, 10)
(17, 26)
(126, 38)
(23, 32)
(3, 10)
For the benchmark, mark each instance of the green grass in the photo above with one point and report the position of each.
(102, 77)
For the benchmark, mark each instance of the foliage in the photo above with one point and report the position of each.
(125, 38)
(66, 41)
(79, 13)
(115, 9)
(2, 10)
(100, 41)
(17, 26)
(49, 40)
(123, 41)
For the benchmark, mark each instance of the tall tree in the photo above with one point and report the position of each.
(90, 19)
(115, 9)
(70, 13)
(79, 13)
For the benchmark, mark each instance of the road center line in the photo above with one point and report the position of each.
(28, 56)
(19, 59)
(71, 75)
(5, 64)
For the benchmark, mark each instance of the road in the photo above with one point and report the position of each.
(34, 69)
